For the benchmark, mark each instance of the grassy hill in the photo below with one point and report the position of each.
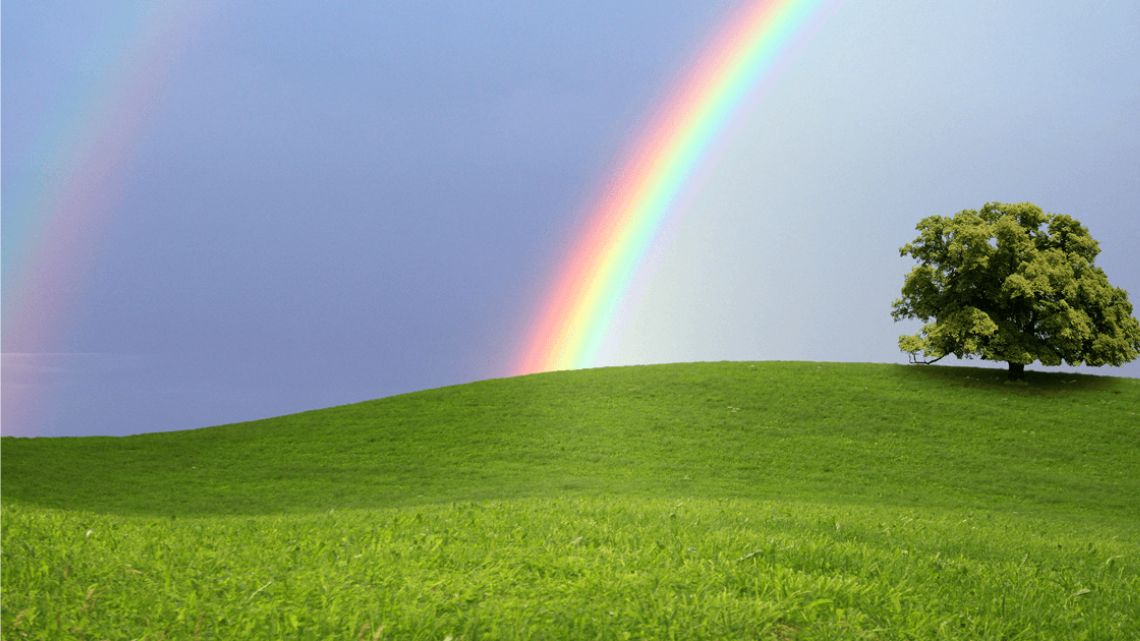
(710, 500)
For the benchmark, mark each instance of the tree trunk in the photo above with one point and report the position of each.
(1016, 371)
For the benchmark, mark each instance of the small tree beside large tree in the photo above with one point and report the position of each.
(1011, 283)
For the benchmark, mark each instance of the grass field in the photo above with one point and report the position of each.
(696, 501)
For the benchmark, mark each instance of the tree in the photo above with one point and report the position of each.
(1012, 283)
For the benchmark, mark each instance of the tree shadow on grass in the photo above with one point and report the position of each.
(1035, 382)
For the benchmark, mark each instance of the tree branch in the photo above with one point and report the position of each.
(914, 359)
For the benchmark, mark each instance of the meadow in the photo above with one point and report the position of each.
(692, 501)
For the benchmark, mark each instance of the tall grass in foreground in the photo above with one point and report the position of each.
(586, 568)
(702, 501)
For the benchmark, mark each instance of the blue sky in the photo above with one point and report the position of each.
(326, 206)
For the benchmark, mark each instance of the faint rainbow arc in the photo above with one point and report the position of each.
(82, 155)
(579, 308)
(79, 159)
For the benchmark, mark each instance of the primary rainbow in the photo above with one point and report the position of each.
(578, 309)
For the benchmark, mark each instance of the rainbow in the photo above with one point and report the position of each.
(578, 309)
(81, 155)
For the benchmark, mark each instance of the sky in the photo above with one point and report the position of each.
(287, 206)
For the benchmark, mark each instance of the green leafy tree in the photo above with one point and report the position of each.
(1012, 283)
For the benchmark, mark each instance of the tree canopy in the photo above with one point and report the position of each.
(1011, 283)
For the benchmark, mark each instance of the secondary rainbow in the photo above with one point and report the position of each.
(578, 309)
(71, 184)
(55, 213)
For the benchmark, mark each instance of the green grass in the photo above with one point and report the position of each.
(712, 500)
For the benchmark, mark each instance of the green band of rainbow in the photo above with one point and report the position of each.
(579, 309)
